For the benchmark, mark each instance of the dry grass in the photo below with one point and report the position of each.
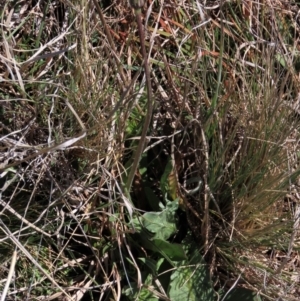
(225, 80)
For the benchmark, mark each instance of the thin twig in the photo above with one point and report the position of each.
(137, 6)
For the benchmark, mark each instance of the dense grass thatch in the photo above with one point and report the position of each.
(213, 210)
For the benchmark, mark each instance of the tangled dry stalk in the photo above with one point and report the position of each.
(222, 140)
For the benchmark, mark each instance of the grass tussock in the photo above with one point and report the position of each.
(213, 210)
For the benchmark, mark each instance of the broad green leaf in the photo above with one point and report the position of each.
(163, 224)
(144, 238)
(136, 223)
(169, 251)
(174, 251)
(191, 281)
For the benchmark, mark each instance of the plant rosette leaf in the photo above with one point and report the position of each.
(173, 251)
(191, 281)
(162, 224)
